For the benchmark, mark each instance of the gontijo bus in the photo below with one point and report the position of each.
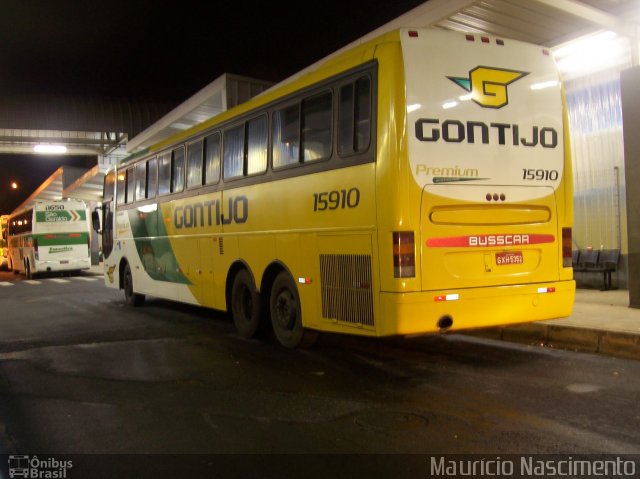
(419, 182)
(50, 236)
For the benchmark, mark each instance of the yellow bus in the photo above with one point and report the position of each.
(4, 223)
(418, 183)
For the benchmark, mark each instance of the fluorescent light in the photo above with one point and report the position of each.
(414, 107)
(544, 84)
(590, 54)
(50, 149)
(449, 104)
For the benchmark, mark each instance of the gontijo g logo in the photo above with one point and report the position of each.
(488, 86)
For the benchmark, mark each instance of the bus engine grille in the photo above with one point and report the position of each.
(346, 285)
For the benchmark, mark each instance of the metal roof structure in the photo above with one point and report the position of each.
(550, 23)
(224, 92)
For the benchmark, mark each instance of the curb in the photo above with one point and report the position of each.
(612, 343)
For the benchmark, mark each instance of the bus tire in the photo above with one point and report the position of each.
(246, 307)
(27, 270)
(286, 314)
(130, 297)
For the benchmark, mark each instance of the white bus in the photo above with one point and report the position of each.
(52, 236)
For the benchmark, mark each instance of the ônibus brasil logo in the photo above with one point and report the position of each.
(488, 86)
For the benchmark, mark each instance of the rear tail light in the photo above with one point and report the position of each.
(35, 249)
(567, 245)
(404, 254)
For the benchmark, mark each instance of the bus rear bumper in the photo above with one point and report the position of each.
(432, 311)
(70, 265)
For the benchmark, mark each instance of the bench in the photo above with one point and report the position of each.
(597, 261)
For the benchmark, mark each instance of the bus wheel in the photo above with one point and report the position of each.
(27, 271)
(286, 314)
(131, 298)
(246, 306)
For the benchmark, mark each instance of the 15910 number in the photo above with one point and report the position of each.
(539, 175)
(333, 200)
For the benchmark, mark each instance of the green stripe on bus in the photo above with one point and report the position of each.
(59, 216)
(61, 239)
(154, 248)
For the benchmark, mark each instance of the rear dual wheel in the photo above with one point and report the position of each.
(286, 314)
(246, 307)
(250, 315)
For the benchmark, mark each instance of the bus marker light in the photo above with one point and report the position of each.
(546, 290)
(413, 34)
(304, 280)
(447, 297)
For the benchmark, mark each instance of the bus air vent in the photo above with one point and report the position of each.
(347, 290)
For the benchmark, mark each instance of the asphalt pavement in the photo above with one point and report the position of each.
(601, 322)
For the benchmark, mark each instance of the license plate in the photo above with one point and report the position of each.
(510, 257)
(64, 261)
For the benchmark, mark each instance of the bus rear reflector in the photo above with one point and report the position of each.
(567, 245)
(404, 254)
(447, 297)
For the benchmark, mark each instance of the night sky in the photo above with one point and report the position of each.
(163, 50)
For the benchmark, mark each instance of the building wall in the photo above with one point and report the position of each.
(600, 216)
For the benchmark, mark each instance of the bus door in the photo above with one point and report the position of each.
(198, 221)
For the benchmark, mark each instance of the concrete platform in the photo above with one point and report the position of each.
(602, 322)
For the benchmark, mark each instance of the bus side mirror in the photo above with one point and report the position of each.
(4, 235)
(95, 220)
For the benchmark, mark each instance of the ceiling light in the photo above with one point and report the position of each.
(590, 54)
(50, 149)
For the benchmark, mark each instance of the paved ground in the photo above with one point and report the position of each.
(80, 373)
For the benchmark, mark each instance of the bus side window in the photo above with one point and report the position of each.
(141, 180)
(164, 174)
(316, 127)
(152, 178)
(285, 145)
(194, 164)
(177, 170)
(257, 145)
(121, 188)
(130, 185)
(212, 159)
(107, 190)
(233, 152)
(354, 122)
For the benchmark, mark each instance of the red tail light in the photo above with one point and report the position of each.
(567, 245)
(404, 254)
